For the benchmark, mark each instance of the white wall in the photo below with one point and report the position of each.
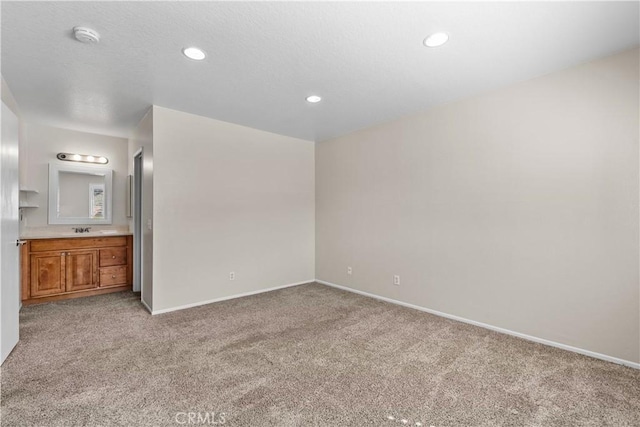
(228, 198)
(10, 101)
(518, 208)
(142, 138)
(43, 143)
(7, 97)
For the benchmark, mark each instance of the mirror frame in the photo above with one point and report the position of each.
(54, 192)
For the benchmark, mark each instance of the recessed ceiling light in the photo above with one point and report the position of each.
(193, 53)
(313, 99)
(436, 39)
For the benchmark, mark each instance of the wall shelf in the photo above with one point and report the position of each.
(25, 194)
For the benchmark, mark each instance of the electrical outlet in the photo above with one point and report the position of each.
(349, 271)
(232, 276)
(396, 280)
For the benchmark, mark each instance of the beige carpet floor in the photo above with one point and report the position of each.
(302, 356)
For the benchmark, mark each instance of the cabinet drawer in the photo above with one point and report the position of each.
(113, 256)
(113, 276)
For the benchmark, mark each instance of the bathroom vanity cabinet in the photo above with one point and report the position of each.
(54, 269)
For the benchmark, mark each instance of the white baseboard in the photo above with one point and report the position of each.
(491, 327)
(244, 294)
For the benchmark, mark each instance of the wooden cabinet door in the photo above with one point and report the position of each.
(48, 273)
(82, 270)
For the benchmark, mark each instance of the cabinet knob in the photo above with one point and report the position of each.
(113, 276)
(114, 257)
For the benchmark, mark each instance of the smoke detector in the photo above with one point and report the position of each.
(86, 35)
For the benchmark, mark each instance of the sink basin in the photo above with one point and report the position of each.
(88, 234)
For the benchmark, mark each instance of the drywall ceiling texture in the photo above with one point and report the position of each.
(518, 208)
(366, 59)
(228, 198)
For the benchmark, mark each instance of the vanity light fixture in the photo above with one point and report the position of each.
(194, 53)
(84, 158)
(436, 39)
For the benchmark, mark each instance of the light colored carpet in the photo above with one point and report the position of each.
(302, 356)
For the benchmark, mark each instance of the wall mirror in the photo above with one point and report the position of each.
(79, 194)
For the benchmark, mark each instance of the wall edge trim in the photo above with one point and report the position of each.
(146, 306)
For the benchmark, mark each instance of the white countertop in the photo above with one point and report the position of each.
(70, 234)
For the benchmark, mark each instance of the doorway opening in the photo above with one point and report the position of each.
(137, 223)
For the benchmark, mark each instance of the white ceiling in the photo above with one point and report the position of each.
(366, 60)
